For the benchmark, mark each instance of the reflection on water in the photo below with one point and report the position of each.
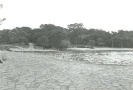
(97, 57)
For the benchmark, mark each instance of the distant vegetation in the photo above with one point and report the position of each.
(49, 35)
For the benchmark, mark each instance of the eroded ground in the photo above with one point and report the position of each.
(32, 71)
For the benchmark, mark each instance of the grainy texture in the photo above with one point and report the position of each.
(30, 71)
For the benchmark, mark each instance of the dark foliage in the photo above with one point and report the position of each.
(76, 34)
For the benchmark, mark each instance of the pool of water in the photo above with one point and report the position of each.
(96, 57)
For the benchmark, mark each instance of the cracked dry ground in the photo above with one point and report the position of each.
(32, 71)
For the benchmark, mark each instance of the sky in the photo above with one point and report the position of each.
(109, 15)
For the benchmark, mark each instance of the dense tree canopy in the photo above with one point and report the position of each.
(55, 37)
(76, 34)
(43, 41)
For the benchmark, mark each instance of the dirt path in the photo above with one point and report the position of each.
(24, 71)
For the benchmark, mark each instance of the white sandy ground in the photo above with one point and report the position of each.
(28, 49)
(102, 48)
(82, 49)
(31, 71)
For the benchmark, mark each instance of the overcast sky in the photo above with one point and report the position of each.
(109, 15)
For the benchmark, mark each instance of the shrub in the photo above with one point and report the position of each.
(7, 48)
(64, 44)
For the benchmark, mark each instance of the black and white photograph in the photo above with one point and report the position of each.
(66, 44)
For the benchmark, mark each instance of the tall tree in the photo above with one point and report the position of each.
(18, 35)
(122, 39)
(75, 26)
(5, 35)
(28, 32)
(55, 37)
(36, 36)
(76, 30)
(43, 41)
(100, 41)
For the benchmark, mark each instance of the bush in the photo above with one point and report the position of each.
(7, 48)
(64, 44)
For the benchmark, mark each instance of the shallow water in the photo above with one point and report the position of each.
(96, 57)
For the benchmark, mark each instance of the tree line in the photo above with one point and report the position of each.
(49, 35)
